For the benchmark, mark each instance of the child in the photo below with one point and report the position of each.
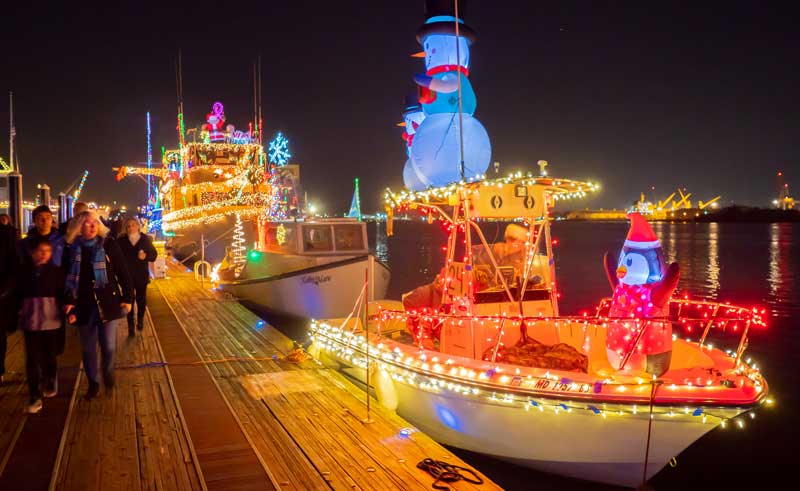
(41, 291)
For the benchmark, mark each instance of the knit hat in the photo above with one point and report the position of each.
(641, 235)
(516, 232)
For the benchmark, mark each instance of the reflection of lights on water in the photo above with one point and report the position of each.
(381, 243)
(713, 259)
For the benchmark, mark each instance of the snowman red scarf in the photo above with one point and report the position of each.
(642, 290)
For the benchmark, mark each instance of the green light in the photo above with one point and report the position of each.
(254, 255)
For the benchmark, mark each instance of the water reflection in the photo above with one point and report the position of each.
(381, 243)
(780, 279)
(712, 283)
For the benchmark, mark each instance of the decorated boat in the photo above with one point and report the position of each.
(482, 360)
(310, 268)
(204, 194)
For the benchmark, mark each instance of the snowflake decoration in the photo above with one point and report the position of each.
(279, 150)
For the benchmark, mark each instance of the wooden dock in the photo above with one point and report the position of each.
(208, 396)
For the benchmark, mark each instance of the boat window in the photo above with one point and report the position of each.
(317, 238)
(280, 238)
(349, 237)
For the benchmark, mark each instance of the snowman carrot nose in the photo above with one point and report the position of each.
(622, 271)
(418, 54)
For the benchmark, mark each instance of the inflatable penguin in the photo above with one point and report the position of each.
(436, 148)
(642, 288)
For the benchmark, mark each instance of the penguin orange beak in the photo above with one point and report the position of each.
(418, 54)
(622, 271)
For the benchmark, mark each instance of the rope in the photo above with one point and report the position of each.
(653, 389)
(448, 473)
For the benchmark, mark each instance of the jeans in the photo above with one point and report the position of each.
(41, 349)
(91, 333)
(140, 296)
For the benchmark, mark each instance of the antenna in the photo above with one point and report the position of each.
(179, 86)
(460, 116)
(149, 158)
(260, 120)
(12, 132)
(255, 96)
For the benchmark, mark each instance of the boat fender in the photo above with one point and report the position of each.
(384, 387)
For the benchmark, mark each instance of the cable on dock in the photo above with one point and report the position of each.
(444, 472)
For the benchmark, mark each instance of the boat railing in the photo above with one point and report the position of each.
(703, 315)
(690, 315)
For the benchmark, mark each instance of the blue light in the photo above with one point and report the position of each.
(697, 412)
(447, 417)
(278, 151)
(260, 324)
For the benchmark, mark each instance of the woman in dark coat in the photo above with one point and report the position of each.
(98, 293)
(139, 252)
(8, 269)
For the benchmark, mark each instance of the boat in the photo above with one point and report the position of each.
(568, 411)
(207, 187)
(306, 268)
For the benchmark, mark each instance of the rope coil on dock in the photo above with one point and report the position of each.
(444, 472)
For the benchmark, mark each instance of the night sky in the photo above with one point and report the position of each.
(631, 94)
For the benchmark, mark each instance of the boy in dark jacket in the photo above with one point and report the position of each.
(41, 294)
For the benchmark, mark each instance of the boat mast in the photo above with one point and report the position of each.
(11, 131)
(260, 115)
(179, 84)
(460, 108)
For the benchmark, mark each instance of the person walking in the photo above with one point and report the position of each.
(40, 298)
(98, 292)
(9, 264)
(77, 208)
(139, 251)
(43, 229)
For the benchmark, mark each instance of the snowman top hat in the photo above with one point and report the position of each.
(641, 235)
(440, 17)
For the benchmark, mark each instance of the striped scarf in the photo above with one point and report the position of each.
(99, 264)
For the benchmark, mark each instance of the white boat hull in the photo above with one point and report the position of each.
(609, 449)
(323, 291)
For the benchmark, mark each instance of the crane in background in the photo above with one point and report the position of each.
(76, 187)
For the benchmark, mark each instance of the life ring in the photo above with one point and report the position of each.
(384, 387)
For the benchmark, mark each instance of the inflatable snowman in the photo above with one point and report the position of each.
(412, 118)
(436, 156)
(642, 288)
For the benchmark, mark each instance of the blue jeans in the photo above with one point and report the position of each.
(91, 333)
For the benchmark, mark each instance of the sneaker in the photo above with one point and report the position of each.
(108, 380)
(51, 390)
(34, 406)
(94, 389)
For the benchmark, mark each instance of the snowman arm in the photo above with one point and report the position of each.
(662, 293)
(442, 85)
(611, 270)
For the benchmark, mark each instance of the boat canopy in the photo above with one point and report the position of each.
(511, 198)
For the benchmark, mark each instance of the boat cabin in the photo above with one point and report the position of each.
(514, 278)
(314, 237)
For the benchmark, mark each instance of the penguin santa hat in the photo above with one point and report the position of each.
(640, 234)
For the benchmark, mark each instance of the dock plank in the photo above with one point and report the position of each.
(129, 438)
(305, 422)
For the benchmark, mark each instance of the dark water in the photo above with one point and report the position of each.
(750, 264)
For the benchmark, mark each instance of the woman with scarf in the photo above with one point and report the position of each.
(139, 252)
(98, 293)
